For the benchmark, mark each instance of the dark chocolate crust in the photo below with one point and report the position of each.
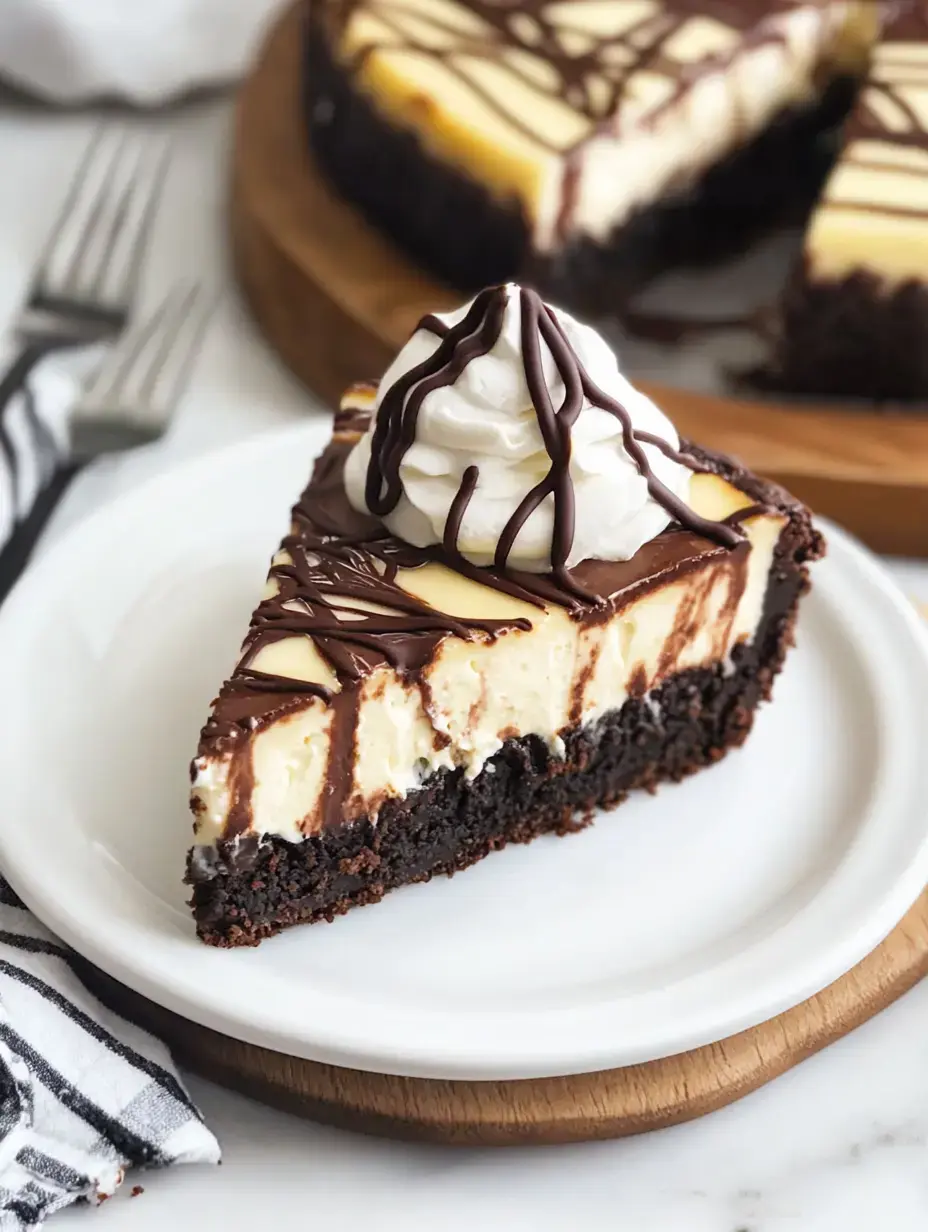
(452, 225)
(246, 890)
(852, 337)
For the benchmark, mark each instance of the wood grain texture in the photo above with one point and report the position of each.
(608, 1104)
(336, 300)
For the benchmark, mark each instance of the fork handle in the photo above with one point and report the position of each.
(18, 369)
(15, 554)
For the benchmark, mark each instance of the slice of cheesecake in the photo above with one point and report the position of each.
(530, 650)
(855, 317)
(587, 142)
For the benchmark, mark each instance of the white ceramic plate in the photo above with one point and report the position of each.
(672, 922)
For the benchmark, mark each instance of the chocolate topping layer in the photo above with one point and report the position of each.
(607, 59)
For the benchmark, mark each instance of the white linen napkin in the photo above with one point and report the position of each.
(84, 1095)
(70, 51)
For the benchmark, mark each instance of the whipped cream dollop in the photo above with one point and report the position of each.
(486, 419)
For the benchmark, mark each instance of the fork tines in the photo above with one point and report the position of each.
(141, 380)
(95, 249)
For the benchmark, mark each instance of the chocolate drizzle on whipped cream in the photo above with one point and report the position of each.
(475, 335)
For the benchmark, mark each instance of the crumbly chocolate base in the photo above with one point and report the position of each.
(455, 228)
(247, 890)
(852, 338)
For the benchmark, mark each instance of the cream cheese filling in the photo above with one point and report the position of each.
(476, 694)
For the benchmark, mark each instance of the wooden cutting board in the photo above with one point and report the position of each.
(609, 1104)
(336, 301)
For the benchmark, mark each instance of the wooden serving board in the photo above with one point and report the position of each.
(336, 300)
(608, 1104)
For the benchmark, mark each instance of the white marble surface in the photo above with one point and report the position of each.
(837, 1145)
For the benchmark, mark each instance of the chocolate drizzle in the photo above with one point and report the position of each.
(475, 335)
(395, 429)
(327, 587)
(458, 509)
(883, 110)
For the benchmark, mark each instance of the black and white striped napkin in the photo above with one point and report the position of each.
(84, 1095)
(34, 431)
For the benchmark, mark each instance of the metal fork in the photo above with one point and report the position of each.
(137, 387)
(129, 402)
(85, 282)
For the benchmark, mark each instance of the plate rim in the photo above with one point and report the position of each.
(83, 933)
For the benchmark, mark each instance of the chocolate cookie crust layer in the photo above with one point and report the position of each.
(454, 227)
(247, 890)
(853, 337)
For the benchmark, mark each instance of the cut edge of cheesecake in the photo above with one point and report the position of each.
(312, 794)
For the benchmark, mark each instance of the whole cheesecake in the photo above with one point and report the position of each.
(584, 144)
(510, 595)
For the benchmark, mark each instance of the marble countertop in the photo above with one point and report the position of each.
(837, 1145)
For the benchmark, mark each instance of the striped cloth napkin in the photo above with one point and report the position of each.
(84, 1095)
(34, 431)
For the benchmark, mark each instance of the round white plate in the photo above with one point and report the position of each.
(670, 923)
